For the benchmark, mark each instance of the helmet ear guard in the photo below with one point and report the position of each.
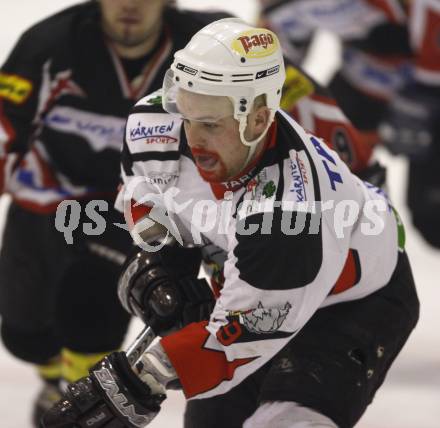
(229, 58)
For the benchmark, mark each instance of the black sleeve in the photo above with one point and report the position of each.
(21, 78)
(20, 81)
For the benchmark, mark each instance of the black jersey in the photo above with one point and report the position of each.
(64, 98)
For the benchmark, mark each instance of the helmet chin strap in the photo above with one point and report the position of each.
(254, 143)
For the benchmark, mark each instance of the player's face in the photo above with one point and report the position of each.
(131, 22)
(213, 135)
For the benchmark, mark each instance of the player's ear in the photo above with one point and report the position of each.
(260, 118)
(257, 121)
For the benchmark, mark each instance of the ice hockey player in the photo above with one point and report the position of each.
(317, 298)
(68, 107)
(389, 81)
(65, 92)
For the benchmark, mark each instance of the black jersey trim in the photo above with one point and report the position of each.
(126, 161)
(159, 156)
(147, 108)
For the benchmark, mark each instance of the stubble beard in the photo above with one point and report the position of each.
(129, 39)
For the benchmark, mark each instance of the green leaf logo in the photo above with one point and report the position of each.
(155, 101)
(269, 189)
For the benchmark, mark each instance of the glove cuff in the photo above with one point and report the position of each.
(124, 391)
(155, 363)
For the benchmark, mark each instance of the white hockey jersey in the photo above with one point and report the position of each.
(296, 232)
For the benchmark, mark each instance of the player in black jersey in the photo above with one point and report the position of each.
(65, 91)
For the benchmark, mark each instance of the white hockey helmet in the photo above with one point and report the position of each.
(229, 58)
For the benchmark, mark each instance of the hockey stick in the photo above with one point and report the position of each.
(140, 344)
(164, 302)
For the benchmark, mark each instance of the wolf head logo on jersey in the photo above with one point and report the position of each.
(264, 320)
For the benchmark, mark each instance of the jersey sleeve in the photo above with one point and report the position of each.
(149, 162)
(20, 81)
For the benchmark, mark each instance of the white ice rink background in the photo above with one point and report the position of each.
(410, 396)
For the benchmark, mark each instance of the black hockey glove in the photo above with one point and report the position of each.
(111, 396)
(411, 124)
(162, 289)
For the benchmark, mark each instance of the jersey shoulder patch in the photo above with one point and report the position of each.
(152, 131)
(14, 88)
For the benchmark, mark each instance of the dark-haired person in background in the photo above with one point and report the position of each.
(65, 91)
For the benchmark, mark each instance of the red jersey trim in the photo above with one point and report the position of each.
(429, 51)
(392, 9)
(148, 73)
(199, 369)
(51, 207)
(138, 211)
(350, 275)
